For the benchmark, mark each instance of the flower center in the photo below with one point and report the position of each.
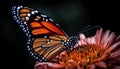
(83, 55)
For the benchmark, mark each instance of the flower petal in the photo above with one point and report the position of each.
(118, 38)
(98, 36)
(115, 54)
(91, 66)
(117, 59)
(79, 67)
(101, 65)
(116, 67)
(111, 39)
(82, 36)
(104, 40)
(69, 66)
(49, 65)
(44, 66)
(82, 40)
(89, 40)
(114, 46)
(93, 40)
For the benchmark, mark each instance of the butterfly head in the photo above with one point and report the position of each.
(70, 42)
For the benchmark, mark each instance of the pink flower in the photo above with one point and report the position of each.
(101, 51)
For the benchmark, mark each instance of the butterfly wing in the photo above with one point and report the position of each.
(45, 37)
(35, 22)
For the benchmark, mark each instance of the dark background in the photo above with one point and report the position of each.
(71, 15)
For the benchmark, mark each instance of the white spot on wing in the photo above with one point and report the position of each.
(13, 11)
(14, 7)
(36, 57)
(46, 20)
(28, 15)
(50, 19)
(36, 11)
(45, 36)
(25, 22)
(32, 12)
(18, 7)
(27, 18)
(43, 15)
(43, 19)
(21, 6)
(28, 49)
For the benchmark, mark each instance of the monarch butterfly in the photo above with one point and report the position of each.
(45, 37)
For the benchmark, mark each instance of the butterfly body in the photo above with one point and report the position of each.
(45, 38)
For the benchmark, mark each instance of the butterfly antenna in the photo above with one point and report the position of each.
(90, 28)
(87, 28)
